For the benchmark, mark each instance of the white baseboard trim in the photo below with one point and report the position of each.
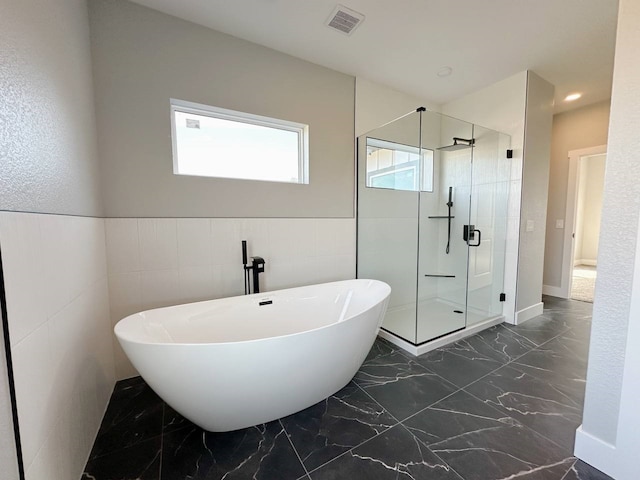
(529, 312)
(553, 291)
(596, 452)
(442, 341)
(585, 261)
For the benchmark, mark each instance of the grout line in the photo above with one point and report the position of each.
(295, 450)
(432, 452)
(368, 439)
(518, 422)
(570, 468)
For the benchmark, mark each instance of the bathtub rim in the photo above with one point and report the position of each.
(263, 339)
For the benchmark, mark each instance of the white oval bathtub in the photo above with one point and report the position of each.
(231, 363)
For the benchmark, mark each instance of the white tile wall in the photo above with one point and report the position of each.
(58, 310)
(159, 262)
(8, 458)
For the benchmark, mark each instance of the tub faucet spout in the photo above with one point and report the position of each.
(256, 266)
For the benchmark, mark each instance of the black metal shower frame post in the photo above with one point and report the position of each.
(10, 374)
(420, 111)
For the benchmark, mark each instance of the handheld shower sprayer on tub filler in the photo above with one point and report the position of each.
(256, 267)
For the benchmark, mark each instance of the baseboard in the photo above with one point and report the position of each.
(417, 350)
(552, 291)
(596, 452)
(584, 261)
(529, 313)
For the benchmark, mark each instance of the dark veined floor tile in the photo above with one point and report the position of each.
(134, 414)
(394, 454)
(500, 343)
(401, 385)
(544, 407)
(540, 329)
(138, 462)
(262, 452)
(172, 420)
(583, 471)
(333, 426)
(380, 348)
(482, 443)
(460, 363)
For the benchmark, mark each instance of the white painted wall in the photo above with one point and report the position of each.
(577, 129)
(378, 104)
(61, 341)
(610, 433)
(134, 83)
(589, 209)
(501, 107)
(168, 261)
(535, 184)
(49, 160)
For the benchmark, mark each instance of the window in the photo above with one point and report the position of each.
(398, 167)
(215, 142)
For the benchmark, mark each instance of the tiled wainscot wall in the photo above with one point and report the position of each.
(69, 280)
(60, 332)
(155, 262)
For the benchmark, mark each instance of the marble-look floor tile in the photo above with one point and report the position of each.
(134, 414)
(482, 443)
(138, 462)
(583, 471)
(556, 362)
(535, 403)
(580, 332)
(380, 348)
(394, 454)
(459, 363)
(500, 343)
(401, 385)
(540, 329)
(262, 452)
(571, 317)
(335, 425)
(172, 420)
(565, 305)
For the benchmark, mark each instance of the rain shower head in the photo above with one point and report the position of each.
(459, 144)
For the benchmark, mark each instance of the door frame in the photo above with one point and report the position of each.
(568, 249)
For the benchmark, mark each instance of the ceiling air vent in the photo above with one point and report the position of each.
(344, 19)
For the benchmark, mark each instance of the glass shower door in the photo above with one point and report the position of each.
(488, 214)
(443, 213)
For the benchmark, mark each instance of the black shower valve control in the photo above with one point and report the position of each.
(468, 232)
(469, 235)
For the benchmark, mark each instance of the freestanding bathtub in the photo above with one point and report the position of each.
(236, 362)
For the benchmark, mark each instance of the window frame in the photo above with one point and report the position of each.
(301, 129)
(419, 164)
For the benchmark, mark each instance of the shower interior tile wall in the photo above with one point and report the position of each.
(58, 312)
(155, 262)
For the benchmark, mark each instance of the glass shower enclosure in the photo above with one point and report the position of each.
(432, 222)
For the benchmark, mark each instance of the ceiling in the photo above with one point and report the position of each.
(404, 43)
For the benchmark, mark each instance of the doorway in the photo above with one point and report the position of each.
(583, 215)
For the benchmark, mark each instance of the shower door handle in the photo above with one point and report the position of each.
(472, 236)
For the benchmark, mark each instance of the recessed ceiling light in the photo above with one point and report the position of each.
(444, 72)
(572, 97)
